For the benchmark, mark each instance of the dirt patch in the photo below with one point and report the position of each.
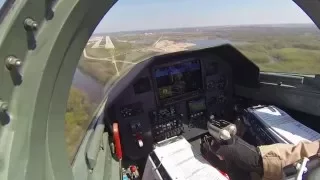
(171, 46)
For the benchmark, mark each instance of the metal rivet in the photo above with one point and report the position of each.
(12, 61)
(3, 106)
(30, 24)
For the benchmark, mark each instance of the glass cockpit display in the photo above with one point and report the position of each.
(178, 79)
(196, 106)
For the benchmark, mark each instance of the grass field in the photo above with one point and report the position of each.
(99, 52)
(288, 58)
(103, 71)
(280, 49)
(97, 69)
(77, 119)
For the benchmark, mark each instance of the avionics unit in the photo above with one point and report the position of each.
(197, 113)
(165, 123)
(177, 81)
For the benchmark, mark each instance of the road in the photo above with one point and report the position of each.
(154, 44)
(96, 41)
(105, 59)
(109, 44)
(111, 58)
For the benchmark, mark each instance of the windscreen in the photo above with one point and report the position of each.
(274, 34)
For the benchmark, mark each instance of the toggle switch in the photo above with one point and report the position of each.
(140, 143)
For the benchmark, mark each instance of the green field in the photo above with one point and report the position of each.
(104, 71)
(77, 119)
(280, 49)
(284, 56)
(99, 52)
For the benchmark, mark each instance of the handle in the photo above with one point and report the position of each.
(116, 139)
(291, 170)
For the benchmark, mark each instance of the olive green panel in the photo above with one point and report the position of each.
(6, 43)
(12, 42)
(61, 92)
(39, 75)
(32, 144)
(14, 39)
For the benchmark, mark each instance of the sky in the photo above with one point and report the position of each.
(127, 15)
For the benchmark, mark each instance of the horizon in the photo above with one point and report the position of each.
(213, 26)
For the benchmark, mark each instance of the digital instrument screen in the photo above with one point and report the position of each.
(178, 79)
(197, 105)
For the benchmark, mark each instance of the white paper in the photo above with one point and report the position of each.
(182, 163)
(268, 111)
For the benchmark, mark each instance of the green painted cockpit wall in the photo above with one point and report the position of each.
(32, 141)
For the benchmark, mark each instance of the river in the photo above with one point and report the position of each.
(205, 43)
(89, 85)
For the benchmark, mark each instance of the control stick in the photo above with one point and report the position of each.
(221, 132)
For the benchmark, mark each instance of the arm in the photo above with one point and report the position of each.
(277, 156)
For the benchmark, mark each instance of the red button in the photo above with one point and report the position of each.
(133, 168)
(224, 174)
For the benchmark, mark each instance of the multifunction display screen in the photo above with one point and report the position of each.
(178, 79)
(196, 106)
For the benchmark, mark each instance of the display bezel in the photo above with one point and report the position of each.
(187, 95)
(193, 100)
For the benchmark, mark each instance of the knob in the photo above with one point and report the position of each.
(3, 106)
(211, 117)
(133, 169)
(30, 24)
(140, 143)
(232, 130)
(225, 135)
(12, 61)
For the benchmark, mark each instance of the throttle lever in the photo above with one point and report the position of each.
(221, 130)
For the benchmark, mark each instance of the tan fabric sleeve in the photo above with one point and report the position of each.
(277, 156)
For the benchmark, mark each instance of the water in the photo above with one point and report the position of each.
(205, 43)
(88, 85)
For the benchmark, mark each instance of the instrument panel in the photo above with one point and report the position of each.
(170, 95)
